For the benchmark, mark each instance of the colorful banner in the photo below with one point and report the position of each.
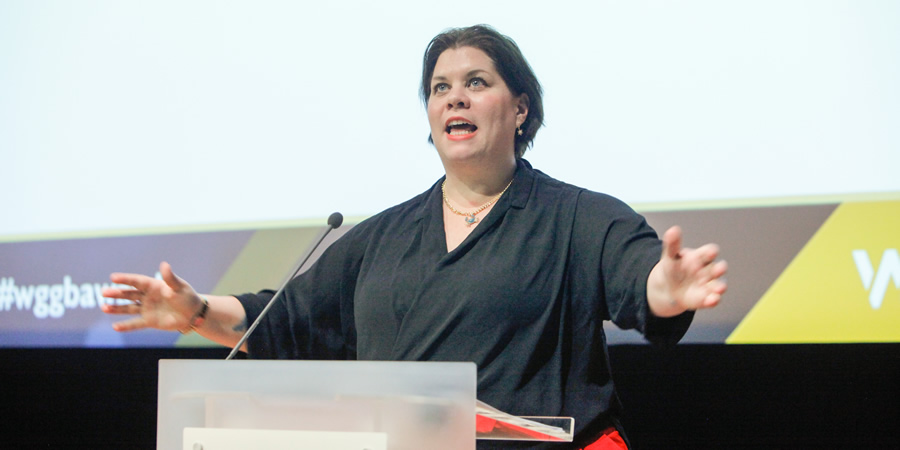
(797, 274)
(843, 286)
(50, 291)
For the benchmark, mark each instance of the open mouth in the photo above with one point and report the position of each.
(458, 127)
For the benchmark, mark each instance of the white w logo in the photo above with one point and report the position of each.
(889, 269)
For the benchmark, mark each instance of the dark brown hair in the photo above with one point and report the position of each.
(508, 61)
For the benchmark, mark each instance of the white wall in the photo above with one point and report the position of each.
(121, 114)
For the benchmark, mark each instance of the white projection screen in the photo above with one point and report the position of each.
(133, 129)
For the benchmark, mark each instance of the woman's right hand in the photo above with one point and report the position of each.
(167, 304)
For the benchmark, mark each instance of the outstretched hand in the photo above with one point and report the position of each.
(685, 278)
(167, 304)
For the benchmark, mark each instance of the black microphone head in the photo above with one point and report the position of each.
(335, 220)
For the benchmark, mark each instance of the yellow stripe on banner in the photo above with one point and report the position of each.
(843, 286)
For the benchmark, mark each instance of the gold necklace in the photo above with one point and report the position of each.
(470, 216)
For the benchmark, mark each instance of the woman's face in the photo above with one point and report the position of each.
(473, 114)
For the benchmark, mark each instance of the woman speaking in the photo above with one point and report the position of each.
(496, 263)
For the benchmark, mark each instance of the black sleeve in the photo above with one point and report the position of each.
(627, 249)
(314, 317)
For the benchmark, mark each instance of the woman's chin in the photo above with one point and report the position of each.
(461, 155)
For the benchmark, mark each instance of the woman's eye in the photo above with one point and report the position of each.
(441, 87)
(477, 83)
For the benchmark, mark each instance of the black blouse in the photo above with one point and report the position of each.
(523, 296)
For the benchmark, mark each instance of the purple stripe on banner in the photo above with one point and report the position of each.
(50, 290)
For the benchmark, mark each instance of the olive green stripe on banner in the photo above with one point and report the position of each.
(263, 263)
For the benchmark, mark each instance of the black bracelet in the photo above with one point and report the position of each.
(198, 318)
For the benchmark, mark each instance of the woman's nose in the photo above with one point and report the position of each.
(457, 99)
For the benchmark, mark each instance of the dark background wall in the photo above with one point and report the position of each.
(692, 396)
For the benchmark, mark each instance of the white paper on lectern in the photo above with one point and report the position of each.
(237, 439)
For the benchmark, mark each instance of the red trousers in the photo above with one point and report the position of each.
(610, 440)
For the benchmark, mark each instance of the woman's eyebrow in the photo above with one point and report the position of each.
(469, 74)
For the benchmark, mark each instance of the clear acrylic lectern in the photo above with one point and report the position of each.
(246, 404)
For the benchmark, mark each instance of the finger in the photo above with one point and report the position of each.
(694, 264)
(718, 286)
(711, 301)
(137, 281)
(719, 269)
(711, 272)
(168, 275)
(120, 309)
(137, 323)
(672, 243)
(699, 261)
(124, 294)
(707, 253)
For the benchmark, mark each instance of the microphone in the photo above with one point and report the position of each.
(334, 221)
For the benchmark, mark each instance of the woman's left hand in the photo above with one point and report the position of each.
(685, 278)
